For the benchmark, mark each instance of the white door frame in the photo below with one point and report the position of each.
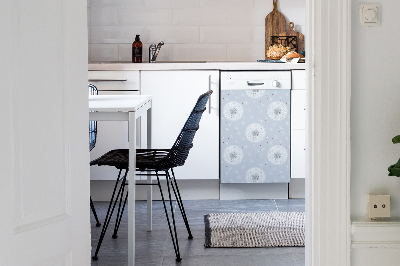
(328, 179)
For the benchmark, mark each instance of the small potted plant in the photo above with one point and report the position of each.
(394, 170)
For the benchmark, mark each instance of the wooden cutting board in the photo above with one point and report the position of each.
(292, 32)
(275, 23)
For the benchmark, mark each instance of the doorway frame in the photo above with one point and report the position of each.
(328, 223)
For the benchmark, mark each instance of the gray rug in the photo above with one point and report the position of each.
(238, 230)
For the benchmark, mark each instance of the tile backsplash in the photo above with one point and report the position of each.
(192, 30)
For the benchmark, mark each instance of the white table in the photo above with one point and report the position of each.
(127, 108)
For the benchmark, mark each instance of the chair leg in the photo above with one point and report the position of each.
(94, 213)
(180, 203)
(120, 211)
(174, 239)
(109, 213)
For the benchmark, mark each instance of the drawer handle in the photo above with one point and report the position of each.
(254, 83)
(100, 80)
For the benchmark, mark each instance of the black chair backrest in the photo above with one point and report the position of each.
(180, 150)
(92, 124)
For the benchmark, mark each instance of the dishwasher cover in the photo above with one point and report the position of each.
(255, 136)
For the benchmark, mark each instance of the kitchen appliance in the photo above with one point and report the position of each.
(255, 127)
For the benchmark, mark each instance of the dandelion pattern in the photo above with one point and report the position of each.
(277, 111)
(277, 155)
(233, 155)
(255, 132)
(255, 175)
(255, 93)
(233, 111)
(255, 136)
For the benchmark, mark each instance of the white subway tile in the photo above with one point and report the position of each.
(239, 4)
(125, 52)
(245, 52)
(258, 35)
(104, 52)
(145, 17)
(115, 34)
(226, 3)
(119, 3)
(224, 34)
(105, 16)
(172, 3)
(246, 17)
(265, 4)
(300, 28)
(173, 34)
(199, 16)
(293, 10)
(214, 3)
(232, 34)
(199, 52)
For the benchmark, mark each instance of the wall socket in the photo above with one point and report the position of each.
(378, 206)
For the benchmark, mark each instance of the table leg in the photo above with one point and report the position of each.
(149, 178)
(132, 190)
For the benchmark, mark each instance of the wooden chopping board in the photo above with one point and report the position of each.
(292, 32)
(275, 23)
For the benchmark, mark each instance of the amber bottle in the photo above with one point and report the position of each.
(137, 50)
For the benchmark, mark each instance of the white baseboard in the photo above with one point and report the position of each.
(297, 188)
(254, 191)
(375, 243)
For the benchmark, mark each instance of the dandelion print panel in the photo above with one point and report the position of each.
(277, 155)
(233, 111)
(255, 136)
(233, 155)
(255, 93)
(255, 175)
(277, 111)
(255, 132)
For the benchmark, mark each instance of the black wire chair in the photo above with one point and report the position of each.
(92, 143)
(154, 160)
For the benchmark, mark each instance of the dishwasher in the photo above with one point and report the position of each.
(255, 126)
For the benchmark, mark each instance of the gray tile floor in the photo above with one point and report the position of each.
(155, 248)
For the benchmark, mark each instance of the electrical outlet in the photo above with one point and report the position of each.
(378, 206)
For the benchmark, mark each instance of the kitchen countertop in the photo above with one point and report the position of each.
(195, 66)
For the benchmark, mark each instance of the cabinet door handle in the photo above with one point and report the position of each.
(100, 80)
(254, 83)
(209, 99)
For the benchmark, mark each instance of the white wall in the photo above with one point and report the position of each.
(193, 30)
(375, 108)
(375, 120)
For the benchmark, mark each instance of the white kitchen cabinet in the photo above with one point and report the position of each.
(115, 80)
(298, 109)
(298, 154)
(298, 79)
(174, 96)
(112, 134)
(298, 124)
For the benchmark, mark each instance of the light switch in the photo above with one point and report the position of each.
(369, 14)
